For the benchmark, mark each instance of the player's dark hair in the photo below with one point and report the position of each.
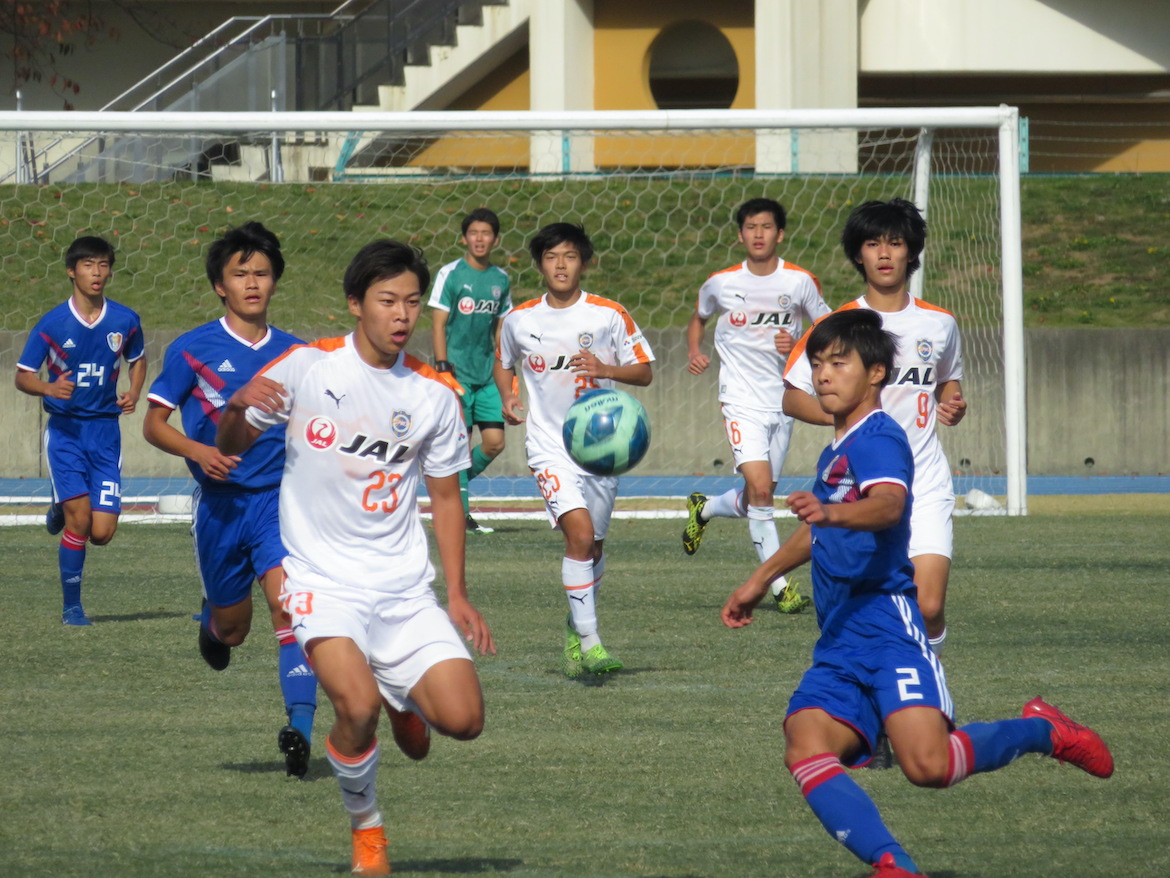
(874, 220)
(247, 240)
(560, 233)
(857, 329)
(382, 260)
(761, 205)
(482, 215)
(88, 247)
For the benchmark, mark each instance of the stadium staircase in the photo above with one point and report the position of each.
(366, 55)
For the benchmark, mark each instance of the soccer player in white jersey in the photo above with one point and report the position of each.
(363, 421)
(565, 344)
(761, 305)
(884, 240)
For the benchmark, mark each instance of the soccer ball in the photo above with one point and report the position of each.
(606, 432)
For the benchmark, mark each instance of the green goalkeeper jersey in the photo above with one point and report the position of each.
(474, 301)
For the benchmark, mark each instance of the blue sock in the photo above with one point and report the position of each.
(298, 685)
(846, 812)
(71, 561)
(994, 745)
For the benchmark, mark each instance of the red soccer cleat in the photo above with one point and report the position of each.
(369, 852)
(888, 868)
(1072, 742)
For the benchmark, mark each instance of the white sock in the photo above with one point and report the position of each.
(762, 527)
(779, 584)
(729, 504)
(577, 579)
(936, 643)
(598, 572)
(356, 776)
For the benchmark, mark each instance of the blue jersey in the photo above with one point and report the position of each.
(200, 372)
(848, 565)
(91, 352)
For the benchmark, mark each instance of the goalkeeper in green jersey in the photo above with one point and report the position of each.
(469, 296)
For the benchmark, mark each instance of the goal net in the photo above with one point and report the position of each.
(656, 192)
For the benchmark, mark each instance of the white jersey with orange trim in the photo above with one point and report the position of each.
(929, 354)
(539, 341)
(356, 441)
(752, 309)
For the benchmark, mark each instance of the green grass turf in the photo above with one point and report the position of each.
(1094, 249)
(124, 755)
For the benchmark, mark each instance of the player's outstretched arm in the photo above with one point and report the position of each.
(697, 361)
(805, 407)
(157, 430)
(235, 435)
(880, 508)
(507, 385)
(586, 363)
(951, 404)
(796, 550)
(31, 383)
(450, 527)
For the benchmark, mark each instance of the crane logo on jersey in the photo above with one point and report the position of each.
(467, 305)
(536, 363)
(737, 319)
(321, 433)
(925, 349)
(400, 423)
(585, 339)
(114, 340)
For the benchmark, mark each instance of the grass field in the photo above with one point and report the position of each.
(126, 756)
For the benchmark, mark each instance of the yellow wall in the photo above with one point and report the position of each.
(623, 32)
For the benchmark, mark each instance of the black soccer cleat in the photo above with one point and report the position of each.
(295, 748)
(215, 652)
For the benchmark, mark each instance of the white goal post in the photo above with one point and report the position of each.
(659, 189)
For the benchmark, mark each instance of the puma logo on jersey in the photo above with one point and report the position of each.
(535, 336)
(379, 449)
(741, 296)
(226, 366)
(333, 396)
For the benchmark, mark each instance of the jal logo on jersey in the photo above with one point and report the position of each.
(321, 434)
(467, 305)
(536, 363)
(737, 319)
(114, 340)
(925, 349)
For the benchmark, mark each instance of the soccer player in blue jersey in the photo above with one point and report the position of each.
(873, 667)
(236, 527)
(84, 340)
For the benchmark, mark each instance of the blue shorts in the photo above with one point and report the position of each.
(878, 663)
(237, 540)
(85, 457)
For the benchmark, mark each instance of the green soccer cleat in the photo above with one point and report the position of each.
(790, 601)
(571, 658)
(693, 532)
(598, 661)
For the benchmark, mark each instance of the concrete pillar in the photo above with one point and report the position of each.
(560, 53)
(806, 58)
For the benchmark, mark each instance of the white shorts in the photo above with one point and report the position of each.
(565, 487)
(931, 531)
(755, 434)
(401, 637)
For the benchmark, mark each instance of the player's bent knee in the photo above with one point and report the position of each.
(931, 773)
